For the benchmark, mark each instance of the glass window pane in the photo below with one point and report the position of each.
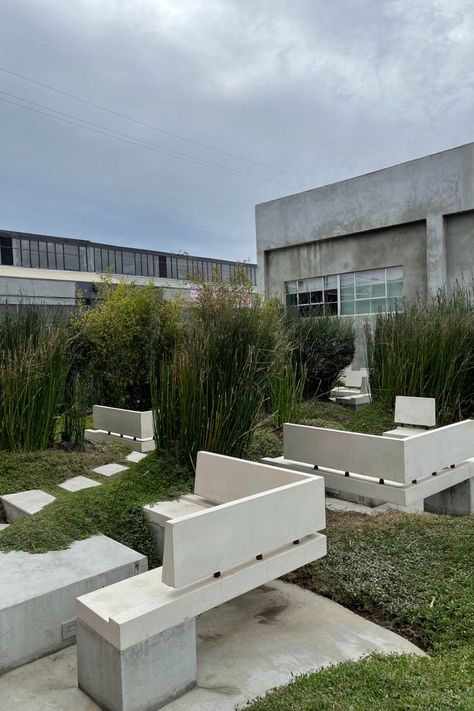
(59, 255)
(291, 299)
(316, 297)
(34, 253)
(330, 282)
(71, 257)
(128, 259)
(51, 256)
(25, 253)
(291, 287)
(303, 298)
(394, 273)
(378, 305)
(347, 308)
(362, 307)
(347, 293)
(347, 279)
(315, 284)
(395, 288)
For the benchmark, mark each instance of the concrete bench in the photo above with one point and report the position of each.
(38, 594)
(131, 427)
(356, 389)
(136, 640)
(429, 471)
(414, 415)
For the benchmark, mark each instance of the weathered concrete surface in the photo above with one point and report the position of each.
(25, 503)
(38, 593)
(456, 501)
(110, 469)
(77, 483)
(245, 647)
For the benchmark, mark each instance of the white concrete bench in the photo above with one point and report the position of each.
(416, 473)
(131, 427)
(356, 389)
(414, 415)
(136, 640)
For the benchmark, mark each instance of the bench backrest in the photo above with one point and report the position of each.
(222, 537)
(222, 479)
(353, 378)
(399, 460)
(132, 423)
(418, 411)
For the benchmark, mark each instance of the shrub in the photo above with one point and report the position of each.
(119, 336)
(210, 395)
(324, 345)
(286, 383)
(426, 351)
(34, 367)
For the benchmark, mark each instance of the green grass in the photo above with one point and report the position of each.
(20, 471)
(415, 575)
(114, 509)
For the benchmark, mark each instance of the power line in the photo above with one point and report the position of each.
(149, 126)
(125, 138)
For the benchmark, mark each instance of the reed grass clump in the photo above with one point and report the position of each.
(426, 350)
(34, 367)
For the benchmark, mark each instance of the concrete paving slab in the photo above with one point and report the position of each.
(25, 503)
(245, 647)
(77, 483)
(110, 469)
(3, 526)
(135, 457)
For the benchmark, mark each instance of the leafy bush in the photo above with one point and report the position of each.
(119, 336)
(427, 350)
(324, 345)
(34, 367)
(210, 395)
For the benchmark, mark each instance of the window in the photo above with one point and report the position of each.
(354, 293)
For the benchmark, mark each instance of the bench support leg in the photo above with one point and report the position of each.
(457, 500)
(140, 678)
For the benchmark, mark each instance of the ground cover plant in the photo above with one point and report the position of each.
(113, 509)
(426, 350)
(414, 574)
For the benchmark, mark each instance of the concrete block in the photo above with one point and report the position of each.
(132, 423)
(138, 445)
(143, 677)
(110, 469)
(3, 526)
(37, 607)
(25, 503)
(158, 514)
(420, 411)
(135, 457)
(456, 500)
(77, 483)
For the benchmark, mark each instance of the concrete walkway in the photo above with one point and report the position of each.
(245, 647)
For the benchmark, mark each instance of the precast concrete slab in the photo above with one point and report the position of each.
(110, 469)
(77, 483)
(37, 605)
(3, 526)
(245, 647)
(25, 503)
(135, 457)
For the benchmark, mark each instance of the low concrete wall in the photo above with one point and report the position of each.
(38, 594)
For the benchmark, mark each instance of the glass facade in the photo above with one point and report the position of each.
(25, 250)
(351, 294)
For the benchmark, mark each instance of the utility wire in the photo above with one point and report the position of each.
(149, 126)
(125, 138)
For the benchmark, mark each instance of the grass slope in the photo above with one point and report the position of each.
(114, 509)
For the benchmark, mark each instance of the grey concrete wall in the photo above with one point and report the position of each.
(427, 189)
(399, 246)
(459, 231)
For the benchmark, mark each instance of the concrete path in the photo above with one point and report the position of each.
(245, 647)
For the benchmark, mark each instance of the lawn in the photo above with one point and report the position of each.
(414, 574)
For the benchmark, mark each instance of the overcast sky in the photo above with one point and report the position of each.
(320, 90)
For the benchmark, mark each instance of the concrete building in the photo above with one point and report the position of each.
(362, 245)
(56, 271)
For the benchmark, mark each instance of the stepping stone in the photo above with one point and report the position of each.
(135, 457)
(77, 483)
(25, 503)
(110, 469)
(3, 526)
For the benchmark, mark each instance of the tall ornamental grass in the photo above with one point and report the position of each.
(211, 394)
(34, 367)
(427, 350)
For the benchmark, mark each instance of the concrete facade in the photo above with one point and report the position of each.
(418, 215)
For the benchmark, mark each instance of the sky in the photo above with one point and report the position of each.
(204, 108)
